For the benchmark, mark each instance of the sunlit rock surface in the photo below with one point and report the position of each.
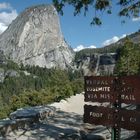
(35, 38)
(98, 64)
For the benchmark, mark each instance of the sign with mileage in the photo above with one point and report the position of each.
(107, 89)
(127, 119)
(98, 115)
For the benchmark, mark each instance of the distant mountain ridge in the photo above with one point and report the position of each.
(134, 37)
(102, 61)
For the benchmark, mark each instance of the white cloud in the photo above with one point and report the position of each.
(78, 48)
(81, 47)
(3, 27)
(113, 40)
(6, 17)
(110, 41)
(136, 19)
(92, 46)
(105, 43)
(123, 36)
(5, 6)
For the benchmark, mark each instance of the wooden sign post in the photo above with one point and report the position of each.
(116, 91)
(117, 84)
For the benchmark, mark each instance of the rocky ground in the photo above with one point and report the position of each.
(63, 126)
(66, 123)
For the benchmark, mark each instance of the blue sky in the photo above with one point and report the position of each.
(77, 30)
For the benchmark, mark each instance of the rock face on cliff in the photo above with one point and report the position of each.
(35, 38)
(98, 64)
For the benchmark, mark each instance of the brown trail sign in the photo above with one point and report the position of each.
(130, 119)
(98, 115)
(116, 90)
(127, 119)
(105, 89)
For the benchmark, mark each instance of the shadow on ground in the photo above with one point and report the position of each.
(61, 126)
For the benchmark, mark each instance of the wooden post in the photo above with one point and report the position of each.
(138, 133)
(117, 105)
(115, 134)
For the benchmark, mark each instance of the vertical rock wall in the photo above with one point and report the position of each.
(35, 38)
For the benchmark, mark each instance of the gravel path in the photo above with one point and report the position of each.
(66, 124)
(74, 104)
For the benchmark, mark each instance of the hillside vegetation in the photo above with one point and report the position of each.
(129, 59)
(36, 86)
(32, 85)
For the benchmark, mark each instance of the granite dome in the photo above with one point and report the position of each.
(35, 38)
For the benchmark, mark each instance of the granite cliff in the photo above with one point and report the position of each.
(97, 63)
(35, 38)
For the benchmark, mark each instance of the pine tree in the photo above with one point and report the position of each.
(129, 61)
